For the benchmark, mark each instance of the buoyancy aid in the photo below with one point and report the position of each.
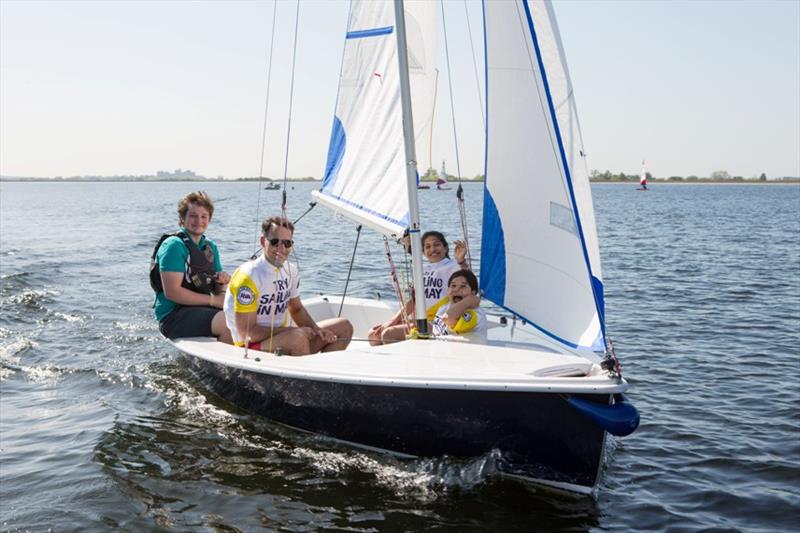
(199, 273)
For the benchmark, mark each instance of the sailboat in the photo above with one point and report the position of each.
(642, 179)
(441, 180)
(542, 390)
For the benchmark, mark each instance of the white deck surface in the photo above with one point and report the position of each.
(513, 359)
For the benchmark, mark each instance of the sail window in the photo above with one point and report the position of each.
(561, 217)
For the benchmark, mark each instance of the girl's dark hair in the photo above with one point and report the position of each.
(438, 235)
(472, 281)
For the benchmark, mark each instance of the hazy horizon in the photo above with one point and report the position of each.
(112, 88)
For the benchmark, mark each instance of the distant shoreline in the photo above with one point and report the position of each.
(652, 183)
(702, 182)
(155, 180)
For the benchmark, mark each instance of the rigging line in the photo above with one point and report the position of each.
(396, 282)
(475, 67)
(276, 292)
(462, 211)
(460, 190)
(350, 270)
(274, 311)
(311, 205)
(291, 104)
(433, 114)
(542, 100)
(570, 99)
(563, 158)
(264, 127)
(405, 242)
(450, 85)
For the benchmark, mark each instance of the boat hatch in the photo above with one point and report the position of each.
(572, 370)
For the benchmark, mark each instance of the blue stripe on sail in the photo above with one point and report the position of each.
(336, 149)
(598, 291)
(403, 223)
(599, 344)
(360, 34)
(493, 252)
(550, 334)
(597, 300)
(493, 268)
(493, 265)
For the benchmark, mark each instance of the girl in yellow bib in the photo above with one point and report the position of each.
(458, 313)
(435, 277)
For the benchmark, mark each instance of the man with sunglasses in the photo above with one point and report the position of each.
(264, 292)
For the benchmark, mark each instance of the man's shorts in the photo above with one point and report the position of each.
(188, 321)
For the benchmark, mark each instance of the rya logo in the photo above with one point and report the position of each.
(245, 296)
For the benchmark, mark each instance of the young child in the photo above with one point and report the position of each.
(459, 313)
(435, 277)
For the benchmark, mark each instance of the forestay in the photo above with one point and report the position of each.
(539, 251)
(365, 175)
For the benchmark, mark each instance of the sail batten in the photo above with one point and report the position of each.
(360, 34)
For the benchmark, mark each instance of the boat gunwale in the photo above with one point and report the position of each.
(259, 362)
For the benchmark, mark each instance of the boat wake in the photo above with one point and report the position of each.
(422, 479)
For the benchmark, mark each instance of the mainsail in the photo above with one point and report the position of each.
(539, 252)
(365, 175)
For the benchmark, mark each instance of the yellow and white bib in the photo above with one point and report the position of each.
(471, 321)
(258, 286)
(434, 279)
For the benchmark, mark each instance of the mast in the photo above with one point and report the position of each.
(411, 168)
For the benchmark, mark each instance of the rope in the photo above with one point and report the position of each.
(274, 311)
(433, 114)
(291, 104)
(350, 270)
(264, 129)
(285, 161)
(611, 363)
(450, 85)
(475, 66)
(395, 281)
(460, 190)
(260, 180)
(462, 212)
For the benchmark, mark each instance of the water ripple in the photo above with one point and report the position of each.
(103, 429)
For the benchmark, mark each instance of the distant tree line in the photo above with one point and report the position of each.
(716, 176)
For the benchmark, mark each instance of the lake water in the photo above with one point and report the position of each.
(102, 425)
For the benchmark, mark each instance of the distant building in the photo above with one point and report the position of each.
(177, 173)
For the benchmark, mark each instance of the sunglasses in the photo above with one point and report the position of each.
(287, 243)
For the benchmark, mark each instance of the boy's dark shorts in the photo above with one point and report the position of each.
(188, 321)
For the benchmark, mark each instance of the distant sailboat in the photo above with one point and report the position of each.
(642, 179)
(441, 180)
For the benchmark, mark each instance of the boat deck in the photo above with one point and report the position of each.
(510, 357)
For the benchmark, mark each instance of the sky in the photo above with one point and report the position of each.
(130, 88)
